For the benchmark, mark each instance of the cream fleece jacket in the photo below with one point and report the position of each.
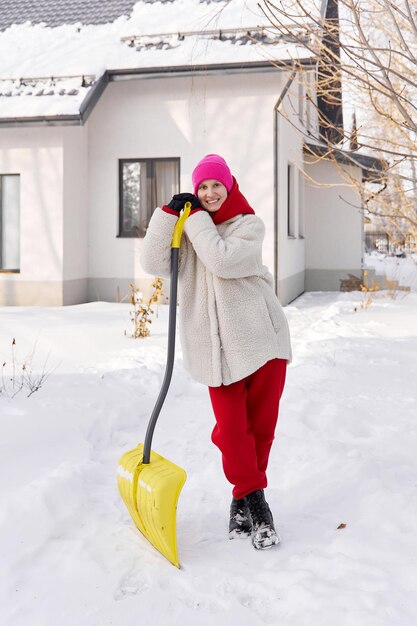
(231, 322)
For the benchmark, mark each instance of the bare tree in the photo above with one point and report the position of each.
(368, 48)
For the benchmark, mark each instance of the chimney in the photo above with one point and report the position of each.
(329, 83)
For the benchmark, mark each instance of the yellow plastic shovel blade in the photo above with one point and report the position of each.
(151, 493)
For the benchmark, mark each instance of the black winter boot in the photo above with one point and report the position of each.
(264, 534)
(240, 524)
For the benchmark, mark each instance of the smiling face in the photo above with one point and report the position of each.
(211, 194)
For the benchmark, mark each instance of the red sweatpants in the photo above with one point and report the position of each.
(246, 415)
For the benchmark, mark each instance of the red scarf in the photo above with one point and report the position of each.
(235, 204)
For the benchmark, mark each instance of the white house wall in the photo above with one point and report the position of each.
(75, 194)
(36, 154)
(176, 117)
(326, 240)
(291, 249)
(334, 239)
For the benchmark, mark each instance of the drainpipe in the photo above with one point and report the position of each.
(276, 175)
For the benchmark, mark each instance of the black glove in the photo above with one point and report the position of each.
(178, 201)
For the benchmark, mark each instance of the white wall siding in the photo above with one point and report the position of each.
(75, 194)
(333, 226)
(37, 155)
(291, 250)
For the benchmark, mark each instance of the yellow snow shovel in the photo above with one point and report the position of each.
(149, 484)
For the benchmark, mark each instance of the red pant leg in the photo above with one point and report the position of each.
(233, 437)
(264, 391)
(246, 414)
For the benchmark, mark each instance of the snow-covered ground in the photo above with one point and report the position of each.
(345, 453)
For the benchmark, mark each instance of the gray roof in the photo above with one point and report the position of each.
(58, 12)
(373, 167)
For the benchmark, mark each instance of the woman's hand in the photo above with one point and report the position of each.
(178, 201)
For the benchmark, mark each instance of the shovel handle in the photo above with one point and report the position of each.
(179, 226)
(175, 248)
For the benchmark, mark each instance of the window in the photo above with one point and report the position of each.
(143, 185)
(301, 196)
(10, 222)
(290, 201)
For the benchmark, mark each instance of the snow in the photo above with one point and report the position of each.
(402, 270)
(33, 51)
(344, 454)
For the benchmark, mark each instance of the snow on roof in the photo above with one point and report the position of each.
(49, 71)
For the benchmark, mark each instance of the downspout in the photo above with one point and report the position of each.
(276, 175)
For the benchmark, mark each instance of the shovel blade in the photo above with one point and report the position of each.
(151, 493)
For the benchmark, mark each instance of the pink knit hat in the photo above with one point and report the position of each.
(212, 166)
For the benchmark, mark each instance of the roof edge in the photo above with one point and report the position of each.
(113, 75)
(42, 120)
(213, 68)
(372, 167)
(93, 96)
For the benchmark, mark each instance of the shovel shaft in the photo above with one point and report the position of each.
(175, 253)
(170, 356)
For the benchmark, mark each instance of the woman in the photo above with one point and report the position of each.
(233, 331)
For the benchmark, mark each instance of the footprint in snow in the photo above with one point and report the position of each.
(130, 585)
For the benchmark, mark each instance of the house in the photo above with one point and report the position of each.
(377, 239)
(104, 110)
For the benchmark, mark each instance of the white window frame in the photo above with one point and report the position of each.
(9, 230)
(291, 201)
(301, 205)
